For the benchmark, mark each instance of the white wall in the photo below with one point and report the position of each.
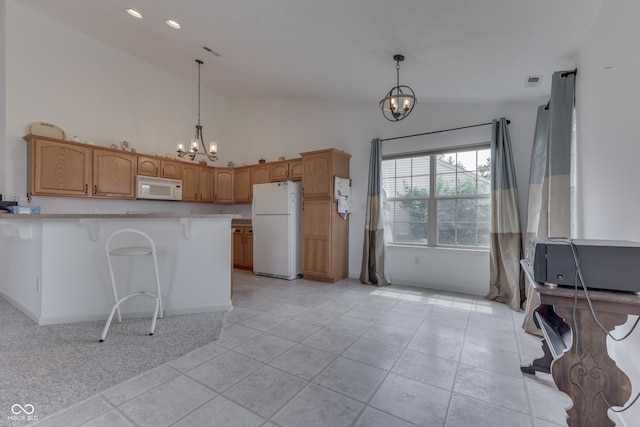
(92, 90)
(607, 106)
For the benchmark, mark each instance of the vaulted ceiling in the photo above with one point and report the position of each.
(456, 50)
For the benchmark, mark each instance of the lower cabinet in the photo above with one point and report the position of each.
(243, 247)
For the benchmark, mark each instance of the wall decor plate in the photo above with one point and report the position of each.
(46, 129)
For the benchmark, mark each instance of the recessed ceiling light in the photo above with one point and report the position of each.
(172, 24)
(134, 13)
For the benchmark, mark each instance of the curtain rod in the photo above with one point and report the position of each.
(440, 131)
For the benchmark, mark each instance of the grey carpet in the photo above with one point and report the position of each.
(52, 367)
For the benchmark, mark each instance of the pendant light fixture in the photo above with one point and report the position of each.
(398, 103)
(198, 140)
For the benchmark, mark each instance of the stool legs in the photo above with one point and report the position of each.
(116, 308)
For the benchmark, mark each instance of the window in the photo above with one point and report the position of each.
(439, 198)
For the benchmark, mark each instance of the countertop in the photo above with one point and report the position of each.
(241, 221)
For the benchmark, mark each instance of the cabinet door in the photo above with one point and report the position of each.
(242, 185)
(223, 185)
(190, 182)
(57, 168)
(248, 252)
(170, 169)
(278, 171)
(316, 169)
(316, 238)
(114, 174)
(259, 174)
(148, 166)
(295, 170)
(238, 247)
(206, 184)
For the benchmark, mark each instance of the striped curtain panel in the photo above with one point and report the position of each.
(373, 256)
(506, 284)
(549, 212)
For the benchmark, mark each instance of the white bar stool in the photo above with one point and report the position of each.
(132, 251)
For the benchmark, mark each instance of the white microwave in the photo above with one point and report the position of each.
(149, 187)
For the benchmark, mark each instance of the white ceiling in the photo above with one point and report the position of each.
(456, 50)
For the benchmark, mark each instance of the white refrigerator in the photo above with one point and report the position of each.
(276, 229)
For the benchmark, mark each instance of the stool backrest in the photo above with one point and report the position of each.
(129, 231)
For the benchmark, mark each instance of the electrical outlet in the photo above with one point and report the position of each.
(416, 260)
(38, 284)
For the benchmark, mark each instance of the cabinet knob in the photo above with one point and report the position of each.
(86, 189)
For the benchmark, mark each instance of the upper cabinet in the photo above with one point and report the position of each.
(286, 170)
(319, 169)
(58, 168)
(61, 168)
(242, 184)
(295, 170)
(223, 185)
(260, 174)
(155, 166)
(197, 183)
(114, 174)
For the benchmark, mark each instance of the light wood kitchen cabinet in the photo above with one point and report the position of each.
(114, 174)
(197, 183)
(154, 166)
(243, 247)
(58, 168)
(260, 174)
(242, 184)
(325, 234)
(295, 170)
(223, 186)
(285, 170)
(206, 184)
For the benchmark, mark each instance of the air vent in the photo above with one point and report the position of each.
(533, 81)
(211, 51)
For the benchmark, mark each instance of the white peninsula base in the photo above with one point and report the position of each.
(54, 269)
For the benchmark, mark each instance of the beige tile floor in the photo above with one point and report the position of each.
(304, 354)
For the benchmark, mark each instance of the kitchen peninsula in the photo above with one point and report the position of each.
(54, 267)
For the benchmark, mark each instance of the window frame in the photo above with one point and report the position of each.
(432, 202)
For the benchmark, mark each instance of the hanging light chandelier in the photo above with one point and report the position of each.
(398, 103)
(198, 140)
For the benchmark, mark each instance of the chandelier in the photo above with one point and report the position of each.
(198, 140)
(398, 103)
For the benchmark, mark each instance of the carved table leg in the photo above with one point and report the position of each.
(542, 364)
(582, 381)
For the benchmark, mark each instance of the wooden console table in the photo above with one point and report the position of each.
(568, 335)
